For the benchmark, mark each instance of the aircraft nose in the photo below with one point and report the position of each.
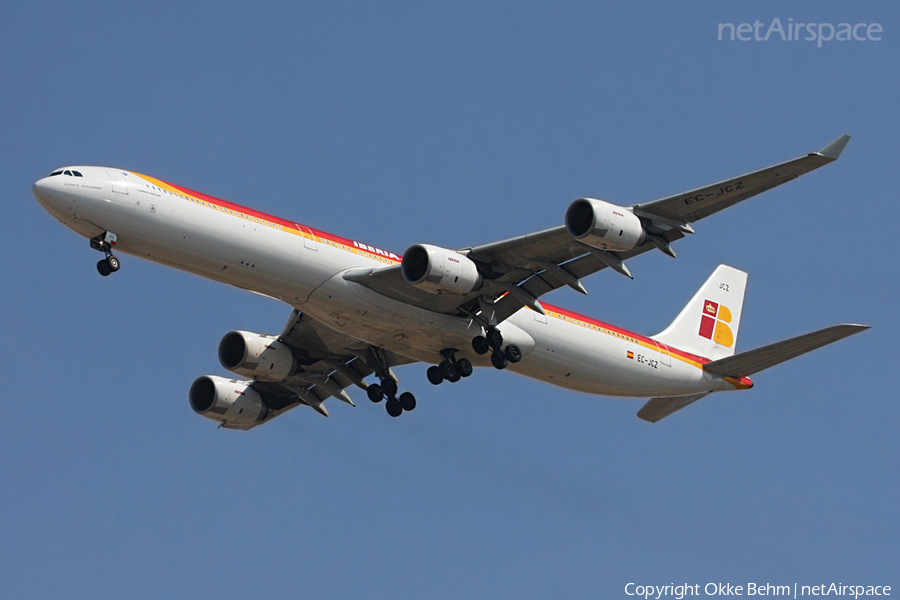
(47, 192)
(43, 190)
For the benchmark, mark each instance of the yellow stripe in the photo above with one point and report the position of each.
(611, 333)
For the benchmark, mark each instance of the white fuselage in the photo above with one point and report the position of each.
(303, 267)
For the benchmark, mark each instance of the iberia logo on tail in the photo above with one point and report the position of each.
(713, 324)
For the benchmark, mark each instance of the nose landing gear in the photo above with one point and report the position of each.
(493, 341)
(104, 243)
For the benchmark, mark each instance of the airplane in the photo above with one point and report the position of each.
(359, 310)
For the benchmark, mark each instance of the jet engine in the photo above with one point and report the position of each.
(228, 401)
(439, 271)
(262, 357)
(603, 225)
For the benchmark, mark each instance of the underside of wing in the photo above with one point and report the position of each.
(699, 203)
(504, 276)
(326, 363)
(389, 281)
(514, 273)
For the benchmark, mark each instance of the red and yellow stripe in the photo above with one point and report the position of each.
(741, 383)
(267, 220)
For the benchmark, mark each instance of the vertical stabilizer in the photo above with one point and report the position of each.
(708, 325)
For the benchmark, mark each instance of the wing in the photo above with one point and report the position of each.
(694, 205)
(517, 271)
(329, 362)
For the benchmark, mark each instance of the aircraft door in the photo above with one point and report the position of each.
(117, 180)
(309, 240)
(664, 356)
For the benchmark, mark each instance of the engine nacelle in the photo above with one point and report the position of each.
(259, 356)
(603, 225)
(439, 271)
(228, 401)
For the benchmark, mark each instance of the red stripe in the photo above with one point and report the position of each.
(334, 238)
(613, 328)
(277, 220)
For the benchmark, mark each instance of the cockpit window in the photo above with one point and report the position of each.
(54, 173)
(67, 172)
(77, 174)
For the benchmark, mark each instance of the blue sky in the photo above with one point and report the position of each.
(454, 124)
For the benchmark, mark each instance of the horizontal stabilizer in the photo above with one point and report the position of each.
(753, 361)
(659, 408)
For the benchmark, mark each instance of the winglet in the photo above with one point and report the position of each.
(834, 149)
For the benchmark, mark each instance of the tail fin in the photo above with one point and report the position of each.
(708, 325)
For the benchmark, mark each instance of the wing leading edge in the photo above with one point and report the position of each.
(702, 202)
(328, 363)
(518, 271)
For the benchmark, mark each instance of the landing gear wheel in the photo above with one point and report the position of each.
(393, 407)
(104, 243)
(448, 370)
(434, 375)
(494, 338)
(103, 268)
(480, 345)
(513, 353)
(375, 393)
(389, 386)
(407, 401)
(464, 367)
(455, 378)
(498, 360)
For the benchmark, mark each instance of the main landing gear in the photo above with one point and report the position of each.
(451, 368)
(387, 388)
(395, 405)
(104, 243)
(492, 342)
